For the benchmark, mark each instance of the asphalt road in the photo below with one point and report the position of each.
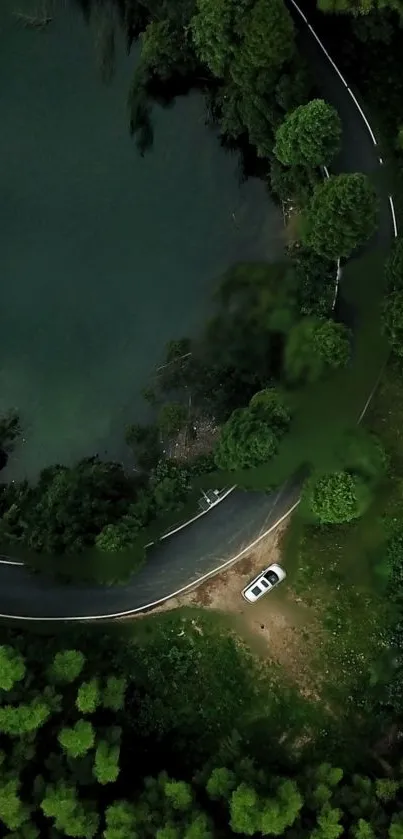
(228, 529)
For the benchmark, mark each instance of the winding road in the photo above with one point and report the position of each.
(227, 531)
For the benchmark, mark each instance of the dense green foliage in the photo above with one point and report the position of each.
(393, 320)
(394, 266)
(251, 434)
(315, 281)
(67, 507)
(341, 215)
(344, 495)
(392, 314)
(360, 7)
(309, 136)
(336, 498)
(182, 686)
(314, 346)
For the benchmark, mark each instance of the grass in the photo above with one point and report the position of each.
(340, 571)
(323, 411)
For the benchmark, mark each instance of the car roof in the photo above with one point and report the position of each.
(272, 567)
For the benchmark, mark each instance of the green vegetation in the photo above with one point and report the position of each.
(341, 215)
(273, 329)
(167, 727)
(250, 436)
(336, 498)
(393, 320)
(309, 136)
(362, 7)
(172, 418)
(166, 683)
(314, 346)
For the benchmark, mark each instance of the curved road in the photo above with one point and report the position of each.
(229, 529)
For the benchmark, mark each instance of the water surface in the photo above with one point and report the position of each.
(105, 255)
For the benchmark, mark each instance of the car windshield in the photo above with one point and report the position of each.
(272, 577)
(256, 591)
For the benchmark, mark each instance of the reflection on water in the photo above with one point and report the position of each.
(105, 255)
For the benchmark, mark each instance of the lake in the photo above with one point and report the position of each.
(105, 255)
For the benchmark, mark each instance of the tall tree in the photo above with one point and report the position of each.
(12, 667)
(341, 215)
(67, 665)
(70, 816)
(113, 695)
(13, 813)
(251, 435)
(78, 739)
(213, 33)
(25, 718)
(88, 696)
(106, 766)
(309, 136)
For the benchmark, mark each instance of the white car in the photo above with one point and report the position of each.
(264, 582)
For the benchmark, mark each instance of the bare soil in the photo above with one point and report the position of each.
(279, 628)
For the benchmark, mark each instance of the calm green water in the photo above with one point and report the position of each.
(104, 255)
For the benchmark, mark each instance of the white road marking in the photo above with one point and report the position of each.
(5, 561)
(327, 55)
(338, 278)
(300, 11)
(199, 515)
(155, 603)
(392, 210)
(363, 116)
(171, 532)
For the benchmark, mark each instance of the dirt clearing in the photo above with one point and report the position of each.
(279, 628)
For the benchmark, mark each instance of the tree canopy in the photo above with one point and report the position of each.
(314, 346)
(309, 136)
(12, 667)
(251, 435)
(359, 7)
(337, 497)
(341, 215)
(394, 266)
(392, 317)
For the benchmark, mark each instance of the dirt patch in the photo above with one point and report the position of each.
(199, 437)
(279, 628)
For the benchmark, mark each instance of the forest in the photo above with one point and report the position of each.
(175, 734)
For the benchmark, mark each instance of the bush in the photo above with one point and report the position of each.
(314, 346)
(246, 440)
(336, 498)
(315, 278)
(341, 216)
(293, 183)
(251, 435)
